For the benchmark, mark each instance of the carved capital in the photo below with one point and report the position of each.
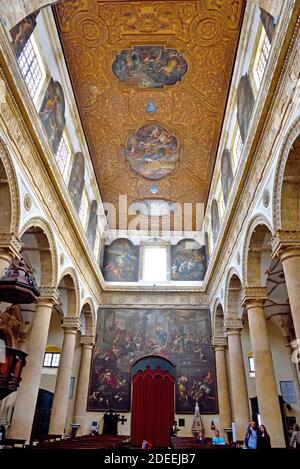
(71, 324)
(48, 294)
(10, 243)
(88, 340)
(254, 296)
(219, 342)
(286, 244)
(233, 324)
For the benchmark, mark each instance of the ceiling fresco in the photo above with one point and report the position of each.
(151, 81)
(149, 66)
(152, 151)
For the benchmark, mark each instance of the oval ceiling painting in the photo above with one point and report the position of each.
(152, 151)
(149, 66)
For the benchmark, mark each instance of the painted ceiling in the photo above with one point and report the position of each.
(151, 80)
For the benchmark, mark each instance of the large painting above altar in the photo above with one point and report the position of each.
(182, 336)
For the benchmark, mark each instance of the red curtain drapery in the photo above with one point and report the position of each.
(152, 407)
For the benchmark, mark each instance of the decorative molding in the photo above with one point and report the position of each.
(291, 136)
(48, 231)
(219, 341)
(201, 32)
(88, 340)
(72, 273)
(9, 242)
(257, 220)
(254, 295)
(71, 322)
(27, 202)
(12, 182)
(2, 91)
(233, 324)
(147, 299)
(48, 294)
(283, 241)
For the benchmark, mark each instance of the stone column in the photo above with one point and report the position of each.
(10, 247)
(266, 386)
(87, 344)
(220, 343)
(239, 394)
(31, 375)
(286, 246)
(71, 326)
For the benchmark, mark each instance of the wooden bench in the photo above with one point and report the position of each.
(13, 442)
(87, 442)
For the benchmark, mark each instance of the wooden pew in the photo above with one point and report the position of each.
(13, 443)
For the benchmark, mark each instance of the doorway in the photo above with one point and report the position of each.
(153, 379)
(42, 414)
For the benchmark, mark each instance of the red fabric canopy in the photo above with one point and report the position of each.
(152, 407)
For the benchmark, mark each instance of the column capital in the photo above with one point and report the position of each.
(9, 242)
(286, 244)
(48, 295)
(88, 340)
(219, 342)
(233, 325)
(71, 323)
(254, 296)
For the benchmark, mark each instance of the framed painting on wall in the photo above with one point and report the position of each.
(182, 336)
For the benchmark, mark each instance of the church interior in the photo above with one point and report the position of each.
(149, 222)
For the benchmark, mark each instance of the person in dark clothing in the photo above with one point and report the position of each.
(263, 438)
(2, 433)
(201, 438)
(174, 430)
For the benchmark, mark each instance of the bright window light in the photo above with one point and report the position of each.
(155, 263)
(263, 59)
(83, 211)
(51, 360)
(63, 155)
(251, 367)
(31, 68)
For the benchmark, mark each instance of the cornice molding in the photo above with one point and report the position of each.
(154, 299)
